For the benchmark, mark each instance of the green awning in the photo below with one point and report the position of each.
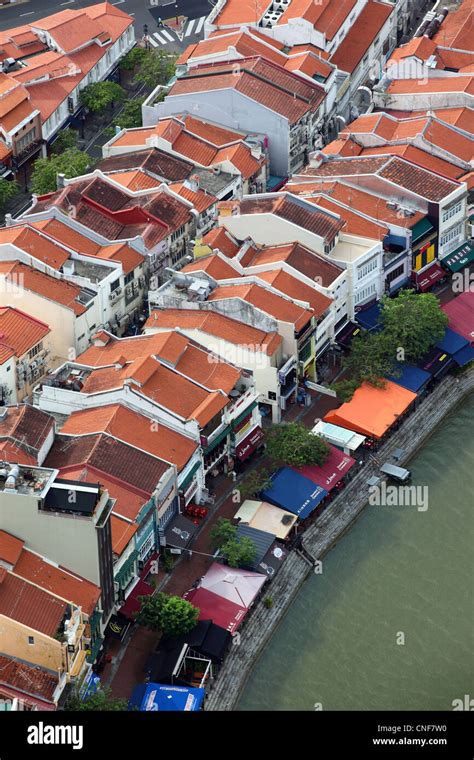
(459, 258)
(91, 658)
(190, 476)
(217, 441)
(244, 414)
(94, 620)
(420, 229)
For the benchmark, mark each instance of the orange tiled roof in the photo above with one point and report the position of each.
(132, 428)
(355, 223)
(241, 12)
(200, 199)
(136, 179)
(456, 29)
(361, 35)
(30, 240)
(122, 533)
(58, 580)
(10, 547)
(216, 324)
(263, 298)
(26, 603)
(290, 286)
(434, 84)
(219, 238)
(19, 332)
(214, 265)
(61, 291)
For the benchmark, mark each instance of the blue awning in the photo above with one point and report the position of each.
(452, 342)
(294, 492)
(464, 356)
(156, 696)
(411, 378)
(368, 317)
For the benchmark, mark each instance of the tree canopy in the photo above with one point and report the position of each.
(170, 614)
(66, 139)
(221, 532)
(413, 321)
(156, 67)
(133, 58)
(411, 324)
(131, 115)
(257, 480)
(71, 163)
(239, 551)
(293, 444)
(8, 189)
(100, 95)
(101, 701)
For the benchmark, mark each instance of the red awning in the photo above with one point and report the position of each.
(247, 446)
(132, 604)
(430, 276)
(212, 607)
(331, 472)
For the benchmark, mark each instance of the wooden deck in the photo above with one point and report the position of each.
(320, 537)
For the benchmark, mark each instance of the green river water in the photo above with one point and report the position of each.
(398, 570)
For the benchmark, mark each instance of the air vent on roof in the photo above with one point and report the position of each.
(280, 5)
(271, 18)
(392, 205)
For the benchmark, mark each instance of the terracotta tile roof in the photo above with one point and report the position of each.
(31, 241)
(58, 580)
(411, 177)
(151, 160)
(137, 137)
(326, 17)
(19, 331)
(195, 363)
(213, 133)
(135, 179)
(264, 299)
(342, 147)
(200, 199)
(300, 258)
(355, 223)
(264, 82)
(10, 547)
(215, 324)
(214, 265)
(220, 239)
(169, 346)
(456, 29)
(355, 197)
(419, 47)
(122, 533)
(433, 85)
(392, 168)
(449, 139)
(290, 286)
(241, 157)
(27, 427)
(241, 12)
(104, 453)
(134, 429)
(30, 680)
(416, 155)
(361, 35)
(302, 215)
(60, 291)
(66, 235)
(310, 64)
(30, 605)
(128, 499)
(243, 42)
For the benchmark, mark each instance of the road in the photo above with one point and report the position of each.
(143, 11)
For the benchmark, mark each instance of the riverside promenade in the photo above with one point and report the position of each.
(320, 537)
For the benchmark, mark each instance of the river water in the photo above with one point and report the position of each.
(399, 574)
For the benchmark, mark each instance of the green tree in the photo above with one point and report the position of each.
(413, 322)
(157, 67)
(293, 444)
(133, 58)
(101, 701)
(170, 614)
(345, 389)
(257, 480)
(371, 357)
(221, 532)
(8, 190)
(131, 116)
(239, 552)
(65, 140)
(71, 163)
(100, 95)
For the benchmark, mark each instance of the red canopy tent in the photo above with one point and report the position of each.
(236, 585)
(213, 607)
(331, 472)
(461, 314)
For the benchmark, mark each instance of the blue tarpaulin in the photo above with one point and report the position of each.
(451, 342)
(464, 356)
(368, 318)
(157, 697)
(294, 492)
(411, 378)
